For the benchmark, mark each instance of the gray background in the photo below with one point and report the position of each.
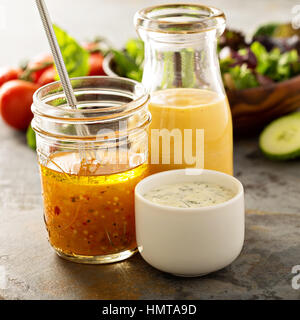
(33, 271)
(21, 34)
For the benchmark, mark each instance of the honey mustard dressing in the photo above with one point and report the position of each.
(185, 111)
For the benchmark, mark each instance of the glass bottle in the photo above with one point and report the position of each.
(90, 160)
(191, 119)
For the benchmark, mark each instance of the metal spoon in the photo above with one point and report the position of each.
(59, 62)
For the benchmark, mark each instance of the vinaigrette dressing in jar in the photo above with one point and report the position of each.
(88, 181)
(90, 213)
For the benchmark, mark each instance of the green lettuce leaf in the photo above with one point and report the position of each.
(135, 49)
(262, 57)
(267, 29)
(30, 137)
(225, 64)
(243, 77)
(136, 75)
(288, 65)
(274, 64)
(74, 55)
(76, 59)
(129, 61)
(125, 64)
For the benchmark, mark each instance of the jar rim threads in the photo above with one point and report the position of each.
(102, 101)
(180, 18)
(139, 96)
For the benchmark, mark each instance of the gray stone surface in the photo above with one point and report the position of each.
(262, 271)
(33, 271)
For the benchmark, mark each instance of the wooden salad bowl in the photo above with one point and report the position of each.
(252, 108)
(255, 107)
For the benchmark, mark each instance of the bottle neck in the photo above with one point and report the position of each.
(181, 61)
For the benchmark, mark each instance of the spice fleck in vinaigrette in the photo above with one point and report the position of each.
(89, 211)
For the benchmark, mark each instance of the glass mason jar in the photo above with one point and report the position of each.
(90, 160)
(191, 119)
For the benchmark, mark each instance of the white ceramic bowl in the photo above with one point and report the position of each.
(189, 241)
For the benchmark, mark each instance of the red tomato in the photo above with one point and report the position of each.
(47, 76)
(8, 73)
(96, 64)
(40, 63)
(15, 103)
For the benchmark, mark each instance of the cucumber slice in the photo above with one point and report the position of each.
(280, 140)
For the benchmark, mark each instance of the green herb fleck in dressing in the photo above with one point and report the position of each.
(189, 194)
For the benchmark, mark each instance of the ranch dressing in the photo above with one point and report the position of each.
(189, 194)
